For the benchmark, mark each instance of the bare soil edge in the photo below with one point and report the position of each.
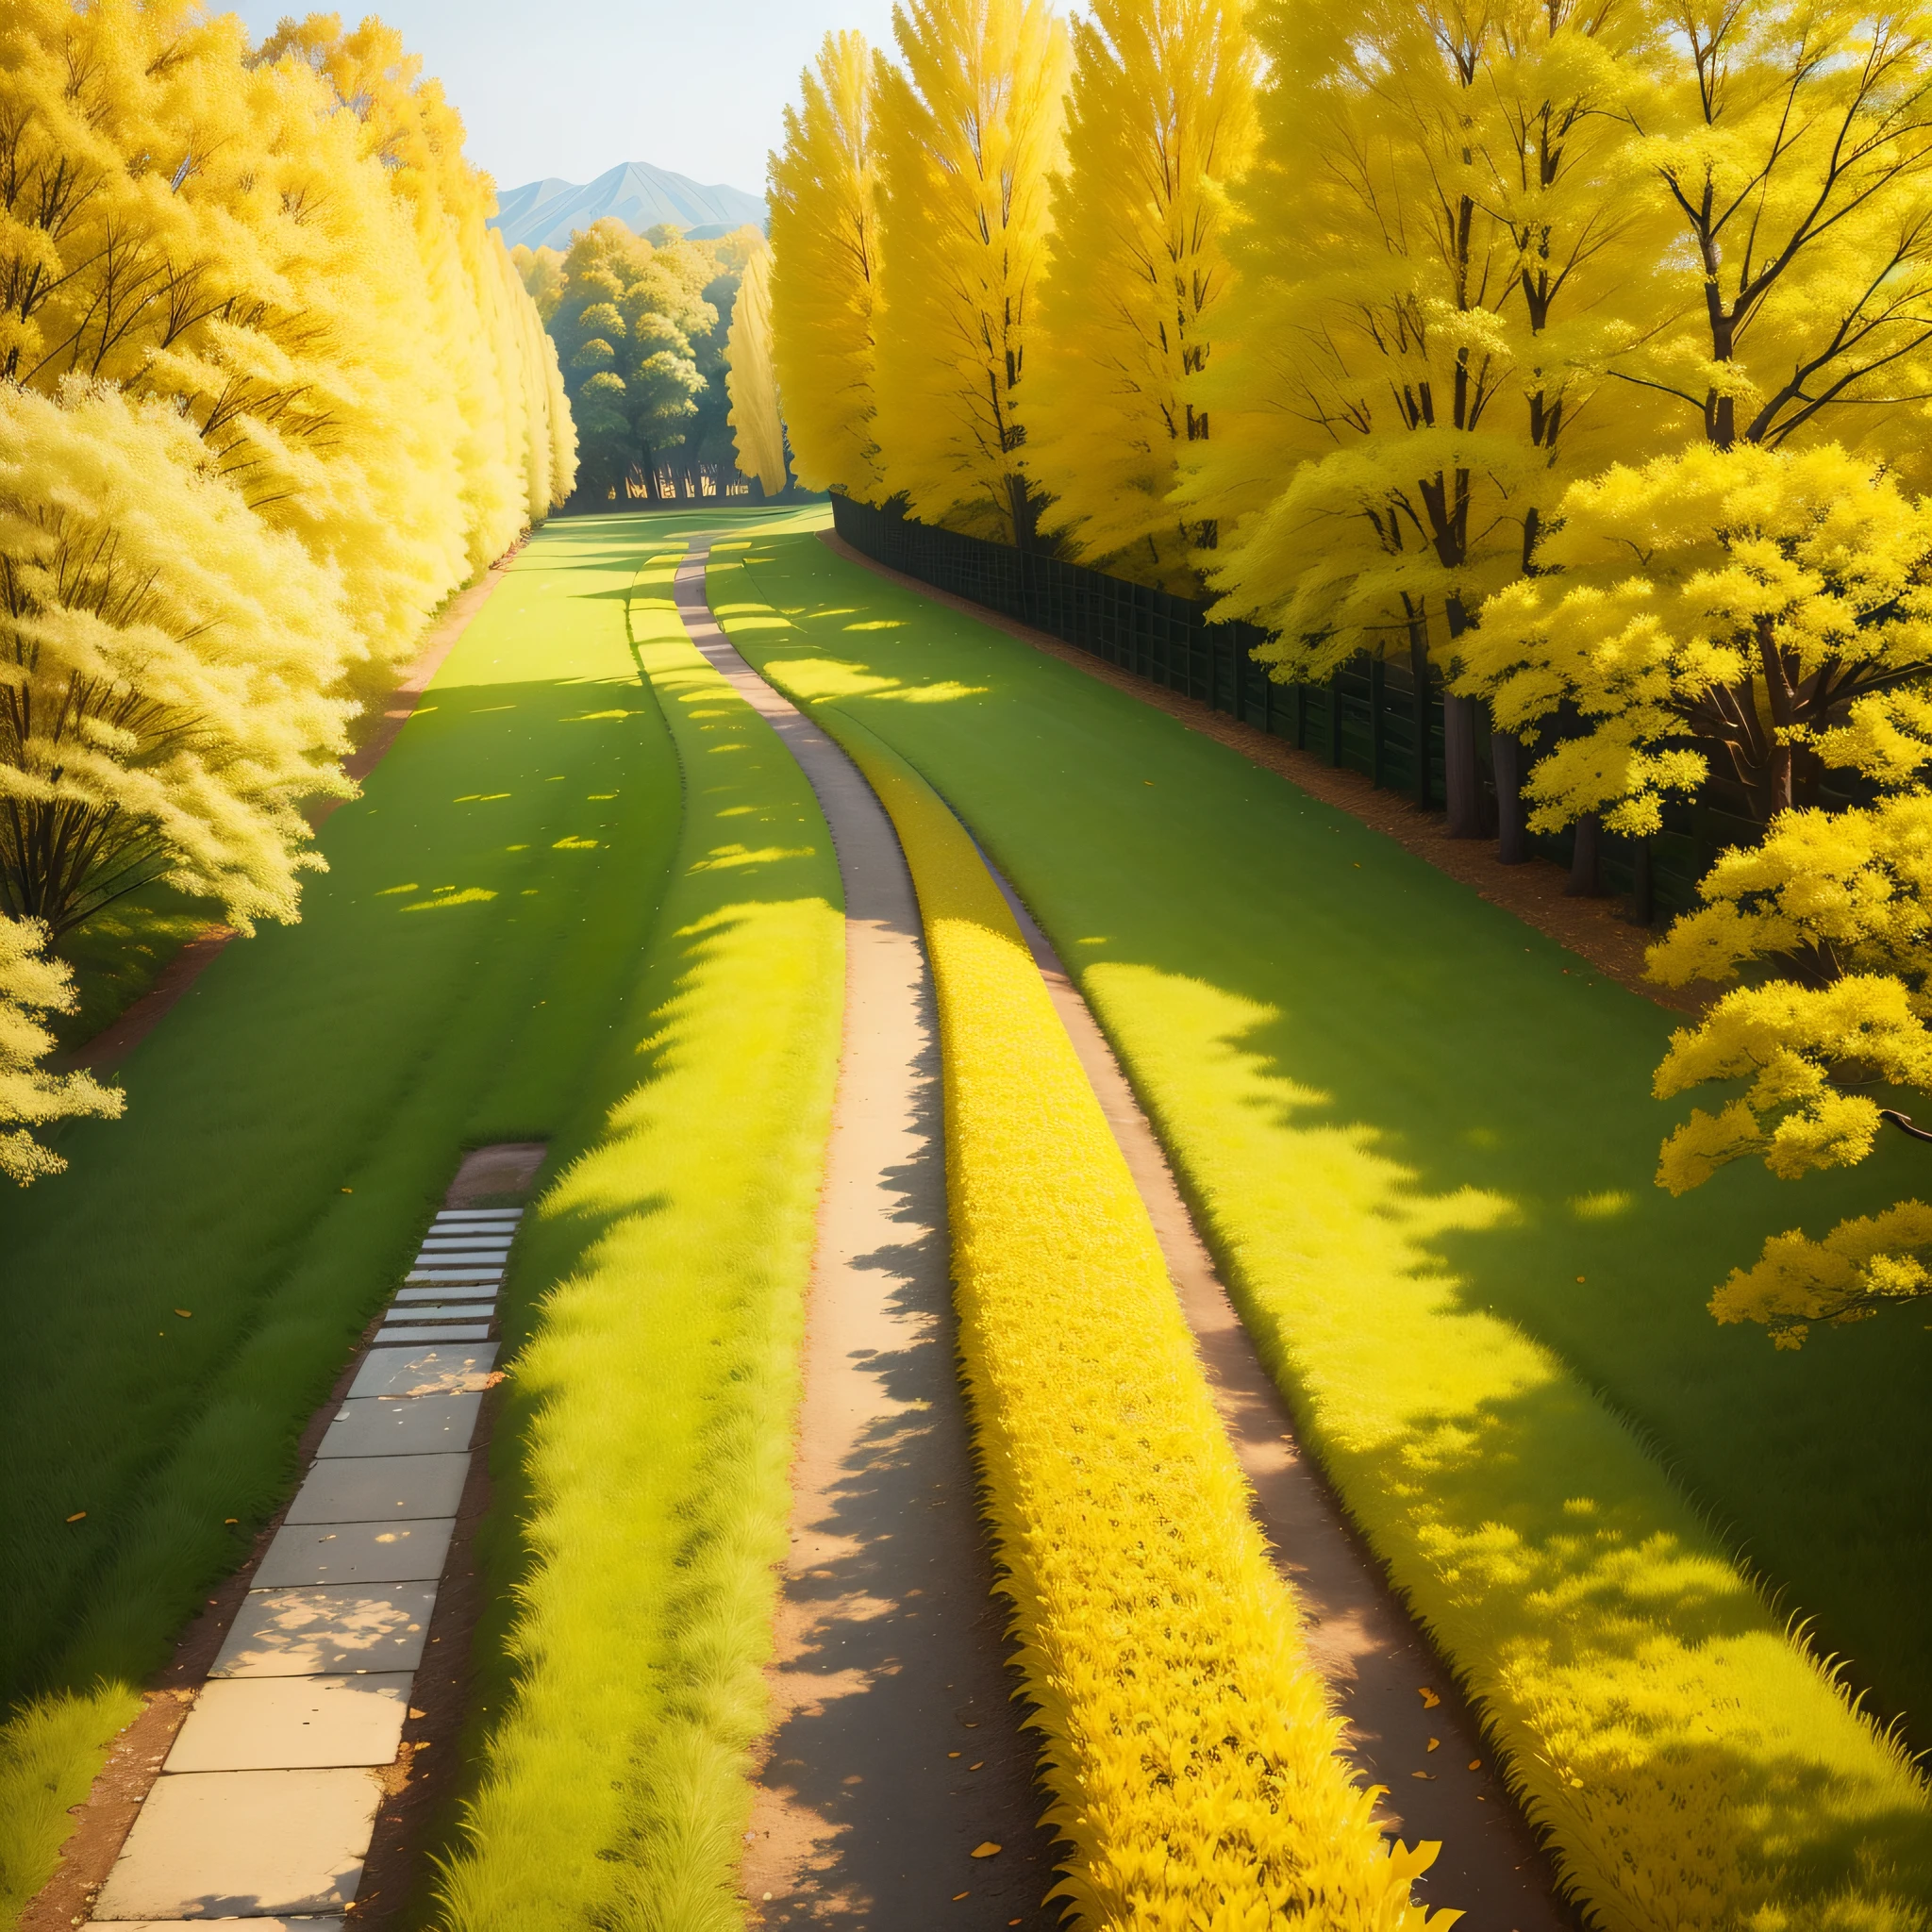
(413, 1791)
(1594, 929)
(120, 1036)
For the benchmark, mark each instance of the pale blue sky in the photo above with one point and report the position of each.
(571, 89)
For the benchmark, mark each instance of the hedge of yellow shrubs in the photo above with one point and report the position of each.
(1194, 1762)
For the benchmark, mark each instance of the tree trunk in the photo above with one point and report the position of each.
(1644, 886)
(1461, 780)
(1419, 672)
(1585, 879)
(1512, 820)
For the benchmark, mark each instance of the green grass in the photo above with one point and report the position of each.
(642, 1457)
(289, 1128)
(1423, 1151)
(119, 954)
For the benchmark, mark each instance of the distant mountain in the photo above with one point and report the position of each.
(545, 214)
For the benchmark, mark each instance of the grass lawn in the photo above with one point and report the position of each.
(1420, 1141)
(655, 1309)
(289, 1128)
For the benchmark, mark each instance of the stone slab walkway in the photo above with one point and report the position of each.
(895, 1749)
(264, 1807)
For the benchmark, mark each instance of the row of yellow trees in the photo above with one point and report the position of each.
(269, 392)
(1578, 351)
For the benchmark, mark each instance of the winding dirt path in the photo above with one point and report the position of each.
(896, 1749)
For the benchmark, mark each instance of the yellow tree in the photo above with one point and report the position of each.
(1790, 150)
(823, 198)
(754, 422)
(166, 664)
(1417, 355)
(32, 985)
(969, 134)
(1159, 118)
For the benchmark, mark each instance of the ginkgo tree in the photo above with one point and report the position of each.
(756, 425)
(1416, 359)
(825, 272)
(1160, 119)
(968, 128)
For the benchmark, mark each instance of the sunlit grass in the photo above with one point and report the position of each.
(289, 1128)
(1423, 1157)
(642, 1459)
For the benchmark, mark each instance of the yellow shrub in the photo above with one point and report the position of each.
(1191, 1750)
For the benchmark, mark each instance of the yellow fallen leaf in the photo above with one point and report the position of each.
(985, 1851)
(955, 1753)
(76, 1516)
(958, 1895)
(981, 1766)
(1434, 1742)
(1429, 1775)
(1475, 1764)
(1428, 1697)
(226, 1520)
(186, 1314)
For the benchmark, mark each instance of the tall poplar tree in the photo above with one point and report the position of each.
(968, 133)
(1161, 117)
(1418, 350)
(754, 422)
(823, 198)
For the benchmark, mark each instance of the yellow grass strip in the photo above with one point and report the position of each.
(1190, 1747)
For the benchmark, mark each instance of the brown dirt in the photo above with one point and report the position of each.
(117, 1040)
(1594, 929)
(439, 1699)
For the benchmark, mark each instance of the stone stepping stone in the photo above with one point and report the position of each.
(242, 1844)
(348, 1555)
(486, 1243)
(464, 1215)
(483, 1293)
(476, 1332)
(424, 1371)
(456, 1278)
(380, 1488)
(427, 1425)
(293, 1724)
(439, 1307)
(311, 1633)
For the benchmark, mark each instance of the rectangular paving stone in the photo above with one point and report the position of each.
(458, 1277)
(380, 1488)
(424, 1425)
(304, 1924)
(316, 1633)
(477, 1214)
(293, 1724)
(482, 1293)
(349, 1554)
(461, 1257)
(440, 1307)
(238, 1844)
(475, 1332)
(428, 1371)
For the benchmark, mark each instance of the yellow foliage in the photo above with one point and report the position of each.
(754, 390)
(1414, 352)
(1194, 1763)
(1160, 118)
(824, 272)
(166, 668)
(1735, 595)
(967, 134)
(1862, 1266)
(29, 1097)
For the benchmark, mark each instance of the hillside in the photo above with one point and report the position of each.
(544, 214)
